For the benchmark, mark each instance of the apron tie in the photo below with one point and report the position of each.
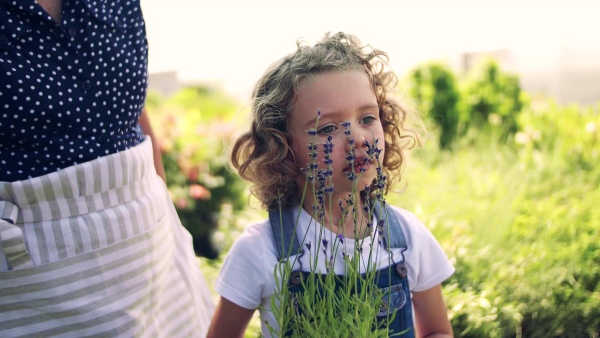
(11, 237)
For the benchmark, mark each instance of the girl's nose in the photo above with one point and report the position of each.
(357, 140)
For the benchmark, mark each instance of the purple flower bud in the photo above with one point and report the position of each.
(341, 238)
(325, 242)
(308, 245)
(312, 132)
(346, 124)
(349, 200)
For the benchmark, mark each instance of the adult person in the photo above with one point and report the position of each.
(90, 243)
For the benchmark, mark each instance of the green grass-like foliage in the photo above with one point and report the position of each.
(521, 223)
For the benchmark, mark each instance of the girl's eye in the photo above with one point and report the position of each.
(327, 129)
(368, 119)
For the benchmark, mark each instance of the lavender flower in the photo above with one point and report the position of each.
(308, 245)
(349, 200)
(341, 238)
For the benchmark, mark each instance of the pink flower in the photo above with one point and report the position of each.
(199, 192)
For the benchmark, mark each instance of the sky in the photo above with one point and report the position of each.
(232, 42)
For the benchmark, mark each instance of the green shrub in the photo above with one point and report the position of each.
(434, 87)
(521, 224)
(193, 126)
(492, 99)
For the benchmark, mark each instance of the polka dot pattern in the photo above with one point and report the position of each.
(73, 92)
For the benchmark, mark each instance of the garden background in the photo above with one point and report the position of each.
(508, 182)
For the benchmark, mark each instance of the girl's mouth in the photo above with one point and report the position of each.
(360, 166)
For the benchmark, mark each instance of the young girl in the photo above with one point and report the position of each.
(335, 84)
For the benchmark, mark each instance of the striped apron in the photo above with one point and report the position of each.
(97, 249)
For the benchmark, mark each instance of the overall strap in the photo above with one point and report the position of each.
(286, 240)
(392, 231)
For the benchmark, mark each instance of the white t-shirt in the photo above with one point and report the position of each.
(247, 276)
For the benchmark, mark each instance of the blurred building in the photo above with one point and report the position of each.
(169, 82)
(571, 74)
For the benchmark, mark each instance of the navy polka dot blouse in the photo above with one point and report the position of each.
(73, 92)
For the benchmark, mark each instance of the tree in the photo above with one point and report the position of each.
(433, 85)
(493, 99)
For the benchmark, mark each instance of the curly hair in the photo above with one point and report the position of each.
(263, 155)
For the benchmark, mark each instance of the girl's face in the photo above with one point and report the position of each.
(341, 96)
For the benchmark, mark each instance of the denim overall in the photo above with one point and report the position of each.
(392, 280)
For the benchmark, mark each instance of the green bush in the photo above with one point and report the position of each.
(521, 223)
(434, 87)
(492, 100)
(193, 127)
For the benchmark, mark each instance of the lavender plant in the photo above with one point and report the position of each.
(333, 305)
